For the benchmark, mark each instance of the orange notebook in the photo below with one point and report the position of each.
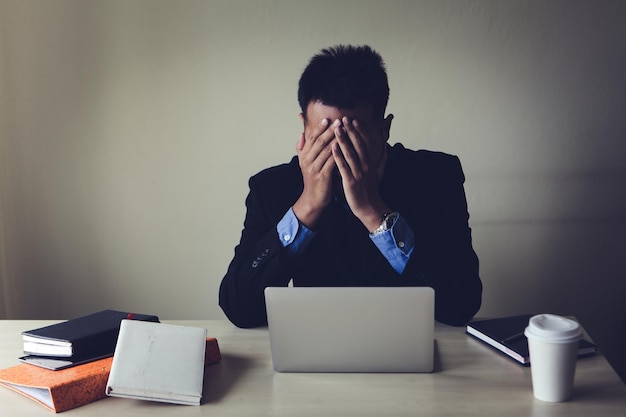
(212, 352)
(72, 387)
(59, 390)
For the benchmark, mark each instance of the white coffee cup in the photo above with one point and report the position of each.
(553, 345)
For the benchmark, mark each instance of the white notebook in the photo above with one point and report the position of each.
(158, 362)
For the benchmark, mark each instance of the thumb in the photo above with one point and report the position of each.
(300, 143)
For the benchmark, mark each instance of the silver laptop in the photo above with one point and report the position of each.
(351, 329)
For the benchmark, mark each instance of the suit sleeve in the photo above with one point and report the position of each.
(260, 261)
(443, 256)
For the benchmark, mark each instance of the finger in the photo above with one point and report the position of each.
(319, 129)
(317, 160)
(318, 139)
(347, 153)
(317, 143)
(356, 135)
(300, 143)
(340, 161)
(329, 165)
(317, 132)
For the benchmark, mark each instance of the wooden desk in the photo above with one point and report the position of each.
(470, 380)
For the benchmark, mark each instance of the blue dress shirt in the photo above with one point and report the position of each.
(396, 244)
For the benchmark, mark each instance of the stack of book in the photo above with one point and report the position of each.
(77, 341)
(69, 364)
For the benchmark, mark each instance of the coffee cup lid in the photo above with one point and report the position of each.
(553, 327)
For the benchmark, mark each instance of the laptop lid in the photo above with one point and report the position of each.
(351, 329)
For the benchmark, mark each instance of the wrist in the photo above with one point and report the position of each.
(306, 213)
(373, 218)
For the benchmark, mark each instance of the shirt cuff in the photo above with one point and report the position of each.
(293, 235)
(396, 244)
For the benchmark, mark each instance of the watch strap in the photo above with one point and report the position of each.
(387, 223)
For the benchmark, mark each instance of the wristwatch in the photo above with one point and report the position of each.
(388, 221)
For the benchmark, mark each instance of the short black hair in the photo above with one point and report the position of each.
(345, 76)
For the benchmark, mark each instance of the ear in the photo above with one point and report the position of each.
(302, 118)
(387, 126)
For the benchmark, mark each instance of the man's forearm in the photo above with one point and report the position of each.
(396, 244)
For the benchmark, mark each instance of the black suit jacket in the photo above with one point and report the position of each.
(426, 188)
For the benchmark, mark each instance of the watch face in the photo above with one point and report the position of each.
(390, 220)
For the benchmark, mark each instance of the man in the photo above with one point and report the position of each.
(351, 210)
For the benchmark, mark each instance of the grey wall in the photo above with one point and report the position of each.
(128, 130)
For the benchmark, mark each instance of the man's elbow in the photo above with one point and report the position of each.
(243, 318)
(460, 310)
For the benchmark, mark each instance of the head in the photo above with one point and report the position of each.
(351, 81)
(345, 77)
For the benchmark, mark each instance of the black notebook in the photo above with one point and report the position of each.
(506, 334)
(91, 336)
(55, 363)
